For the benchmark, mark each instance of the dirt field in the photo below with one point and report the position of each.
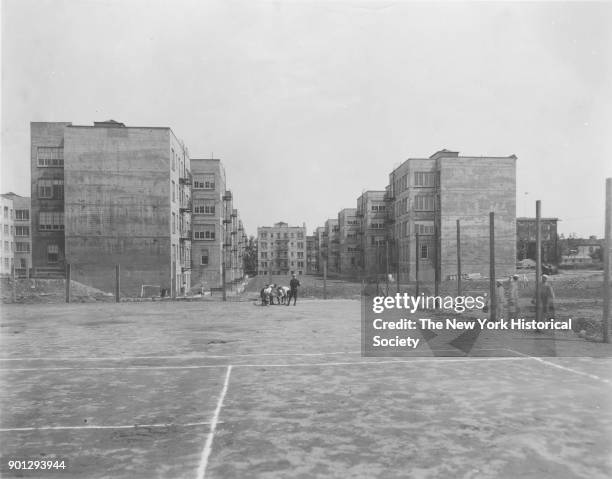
(234, 390)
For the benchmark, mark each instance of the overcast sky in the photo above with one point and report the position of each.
(308, 103)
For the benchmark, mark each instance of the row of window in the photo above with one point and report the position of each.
(51, 188)
(264, 245)
(264, 254)
(17, 247)
(263, 272)
(421, 178)
(18, 215)
(283, 264)
(204, 182)
(264, 235)
(50, 156)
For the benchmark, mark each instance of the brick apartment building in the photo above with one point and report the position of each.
(281, 249)
(349, 246)
(372, 236)
(427, 196)
(312, 255)
(526, 239)
(110, 194)
(332, 231)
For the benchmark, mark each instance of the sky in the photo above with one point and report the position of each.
(309, 103)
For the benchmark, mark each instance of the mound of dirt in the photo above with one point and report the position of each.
(49, 291)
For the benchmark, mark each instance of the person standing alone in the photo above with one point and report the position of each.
(293, 289)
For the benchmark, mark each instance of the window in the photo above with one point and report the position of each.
(424, 254)
(204, 207)
(22, 231)
(424, 229)
(6, 246)
(58, 189)
(173, 222)
(6, 212)
(52, 253)
(204, 258)
(300, 236)
(51, 220)
(264, 255)
(377, 226)
(204, 232)
(300, 245)
(173, 159)
(300, 254)
(6, 229)
(424, 178)
(424, 203)
(378, 208)
(300, 264)
(173, 191)
(263, 245)
(205, 182)
(21, 247)
(45, 188)
(49, 156)
(22, 215)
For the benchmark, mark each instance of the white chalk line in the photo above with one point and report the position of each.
(92, 426)
(213, 427)
(439, 359)
(564, 368)
(206, 356)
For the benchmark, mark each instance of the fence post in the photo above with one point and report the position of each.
(67, 282)
(538, 271)
(492, 289)
(458, 258)
(607, 257)
(117, 283)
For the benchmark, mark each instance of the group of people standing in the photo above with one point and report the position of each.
(283, 294)
(547, 296)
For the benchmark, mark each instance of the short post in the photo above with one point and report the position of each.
(67, 282)
(458, 258)
(607, 257)
(324, 279)
(538, 270)
(492, 289)
(416, 267)
(117, 283)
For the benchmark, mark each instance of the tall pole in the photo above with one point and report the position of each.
(436, 259)
(458, 258)
(538, 272)
(492, 292)
(67, 282)
(416, 266)
(117, 282)
(387, 266)
(607, 257)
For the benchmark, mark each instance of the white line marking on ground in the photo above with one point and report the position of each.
(92, 426)
(213, 427)
(564, 368)
(440, 359)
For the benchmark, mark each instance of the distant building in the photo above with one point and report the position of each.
(312, 255)
(281, 249)
(428, 195)
(332, 231)
(371, 212)
(526, 239)
(22, 251)
(349, 247)
(582, 252)
(321, 247)
(7, 235)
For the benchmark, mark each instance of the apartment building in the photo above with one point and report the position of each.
(333, 245)
(349, 246)
(371, 213)
(7, 235)
(526, 239)
(22, 250)
(107, 195)
(219, 239)
(426, 196)
(281, 249)
(321, 247)
(312, 255)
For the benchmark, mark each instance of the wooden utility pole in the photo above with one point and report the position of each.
(117, 283)
(538, 270)
(416, 266)
(67, 282)
(492, 291)
(607, 257)
(458, 258)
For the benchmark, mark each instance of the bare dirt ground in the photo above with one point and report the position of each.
(234, 390)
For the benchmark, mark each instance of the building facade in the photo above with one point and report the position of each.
(312, 255)
(428, 195)
(349, 247)
(22, 250)
(333, 246)
(526, 239)
(371, 212)
(7, 235)
(281, 249)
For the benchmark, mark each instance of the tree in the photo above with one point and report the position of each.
(250, 257)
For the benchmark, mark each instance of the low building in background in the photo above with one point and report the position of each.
(22, 250)
(526, 239)
(7, 235)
